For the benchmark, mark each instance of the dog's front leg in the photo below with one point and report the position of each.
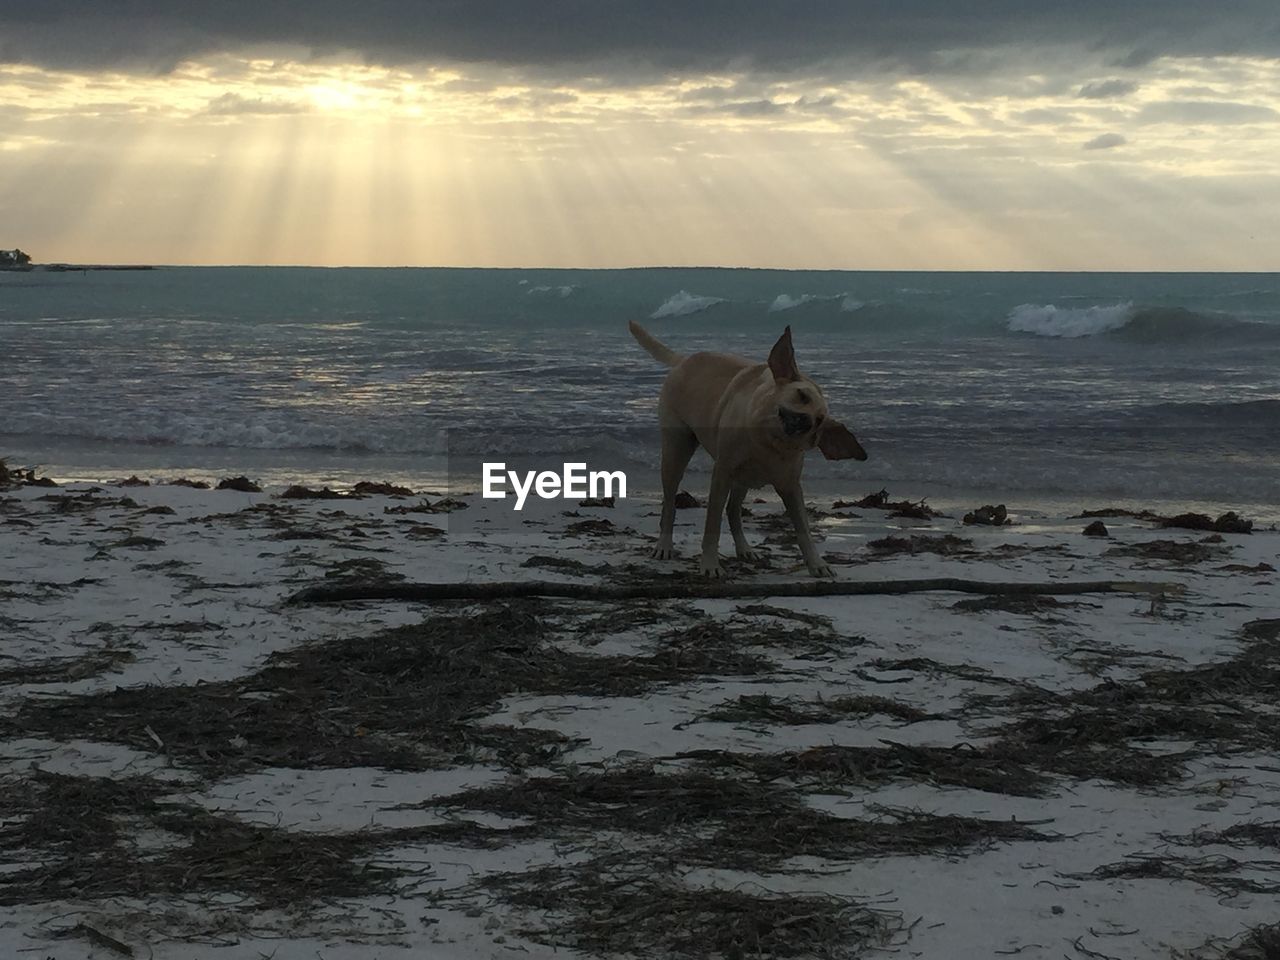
(716, 501)
(678, 447)
(793, 500)
(740, 545)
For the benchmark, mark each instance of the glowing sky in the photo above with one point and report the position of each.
(1021, 141)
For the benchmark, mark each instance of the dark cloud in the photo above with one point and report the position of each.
(1106, 141)
(1106, 89)
(1206, 112)
(747, 109)
(610, 37)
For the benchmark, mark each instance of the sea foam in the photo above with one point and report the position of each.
(683, 304)
(563, 291)
(1046, 320)
(784, 301)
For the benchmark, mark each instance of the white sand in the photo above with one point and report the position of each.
(204, 604)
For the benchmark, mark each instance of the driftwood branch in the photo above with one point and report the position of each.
(686, 590)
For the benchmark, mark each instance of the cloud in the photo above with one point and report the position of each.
(583, 38)
(232, 104)
(1106, 89)
(744, 108)
(1045, 116)
(1206, 112)
(536, 99)
(1106, 141)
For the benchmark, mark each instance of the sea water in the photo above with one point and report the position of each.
(1019, 387)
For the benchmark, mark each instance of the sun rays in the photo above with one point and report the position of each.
(270, 158)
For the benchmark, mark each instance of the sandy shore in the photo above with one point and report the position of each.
(186, 759)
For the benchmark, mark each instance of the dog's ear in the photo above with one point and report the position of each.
(782, 359)
(837, 443)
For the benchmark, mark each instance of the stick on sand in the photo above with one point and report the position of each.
(685, 590)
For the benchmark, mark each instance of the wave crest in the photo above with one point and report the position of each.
(684, 303)
(1047, 320)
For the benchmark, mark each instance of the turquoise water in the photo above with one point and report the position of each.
(1147, 387)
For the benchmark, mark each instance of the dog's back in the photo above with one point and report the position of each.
(697, 386)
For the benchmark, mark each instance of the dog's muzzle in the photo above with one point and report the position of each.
(794, 424)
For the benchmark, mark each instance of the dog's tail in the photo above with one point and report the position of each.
(654, 347)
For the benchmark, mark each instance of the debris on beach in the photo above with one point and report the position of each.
(566, 565)
(1026, 606)
(909, 509)
(1110, 513)
(1097, 529)
(686, 501)
(1228, 522)
(15, 477)
(668, 916)
(443, 505)
(945, 545)
(239, 484)
(299, 492)
(991, 516)
(366, 488)
(1173, 551)
(193, 484)
(1248, 568)
(794, 711)
(724, 771)
(598, 527)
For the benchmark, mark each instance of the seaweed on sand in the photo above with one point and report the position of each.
(762, 842)
(837, 767)
(621, 905)
(1223, 875)
(1222, 705)
(946, 545)
(795, 711)
(17, 477)
(724, 820)
(64, 669)
(909, 509)
(74, 837)
(406, 698)
(1025, 606)
(1171, 551)
(1260, 943)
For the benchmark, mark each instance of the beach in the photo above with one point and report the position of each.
(194, 766)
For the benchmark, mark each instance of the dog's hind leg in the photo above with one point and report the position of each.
(740, 545)
(793, 500)
(678, 446)
(717, 500)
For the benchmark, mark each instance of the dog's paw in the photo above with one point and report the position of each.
(822, 570)
(661, 552)
(750, 553)
(711, 568)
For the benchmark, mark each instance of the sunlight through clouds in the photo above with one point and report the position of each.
(281, 159)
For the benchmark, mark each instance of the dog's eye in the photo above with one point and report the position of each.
(802, 396)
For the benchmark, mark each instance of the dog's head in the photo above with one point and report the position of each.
(802, 409)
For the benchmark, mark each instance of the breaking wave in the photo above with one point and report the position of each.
(1137, 324)
(683, 304)
(1047, 320)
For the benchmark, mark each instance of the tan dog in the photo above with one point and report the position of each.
(756, 420)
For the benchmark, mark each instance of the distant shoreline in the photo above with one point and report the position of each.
(73, 267)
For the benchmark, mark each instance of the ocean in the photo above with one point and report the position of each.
(1096, 389)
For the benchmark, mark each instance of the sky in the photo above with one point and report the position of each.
(864, 134)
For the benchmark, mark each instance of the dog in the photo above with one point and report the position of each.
(757, 421)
